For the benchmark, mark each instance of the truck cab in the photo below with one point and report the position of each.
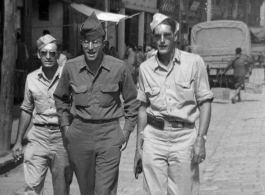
(216, 41)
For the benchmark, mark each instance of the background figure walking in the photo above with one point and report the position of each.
(240, 64)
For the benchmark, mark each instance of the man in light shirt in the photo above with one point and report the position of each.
(46, 147)
(174, 92)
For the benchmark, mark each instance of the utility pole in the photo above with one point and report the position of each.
(106, 23)
(209, 10)
(180, 26)
(7, 75)
(247, 12)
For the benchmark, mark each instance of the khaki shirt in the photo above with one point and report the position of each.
(82, 94)
(174, 91)
(38, 98)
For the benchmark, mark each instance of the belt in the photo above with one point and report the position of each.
(96, 121)
(48, 126)
(160, 123)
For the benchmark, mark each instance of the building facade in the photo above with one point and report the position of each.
(63, 21)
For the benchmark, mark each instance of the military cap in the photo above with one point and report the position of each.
(158, 18)
(92, 28)
(44, 40)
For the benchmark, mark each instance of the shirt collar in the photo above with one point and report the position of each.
(176, 59)
(58, 72)
(104, 63)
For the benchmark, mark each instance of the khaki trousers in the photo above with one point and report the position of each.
(167, 165)
(44, 151)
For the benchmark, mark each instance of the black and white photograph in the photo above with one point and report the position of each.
(132, 97)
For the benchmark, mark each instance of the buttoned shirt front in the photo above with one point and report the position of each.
(174, 91)
(96, 96)
(38, 98)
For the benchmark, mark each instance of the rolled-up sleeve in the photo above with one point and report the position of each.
(141, 92)
(62, 98)
(131, 104)
(28, 103)
(202, 88)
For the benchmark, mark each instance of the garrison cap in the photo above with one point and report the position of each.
(158, 18)
(44, 40)
(92, 28)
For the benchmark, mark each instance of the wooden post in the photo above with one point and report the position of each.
(7, 75)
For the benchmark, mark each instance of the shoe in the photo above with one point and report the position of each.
(239, 100)
(233, 101)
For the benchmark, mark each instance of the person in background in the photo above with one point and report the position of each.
(21, 70)
(89, 92)
(131, 57)
(46, 148)
(147, 49)
(174, 92)
(139, 58)
(106, 49)
(152, 52)
(113, 52)
(238, 63)
(46, 32)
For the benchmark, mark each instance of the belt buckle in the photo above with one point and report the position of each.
(159, 123)
(178, 124)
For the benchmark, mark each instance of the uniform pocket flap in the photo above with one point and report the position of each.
(109, 88)
(80, 89)
(185, 84)
(153, 90)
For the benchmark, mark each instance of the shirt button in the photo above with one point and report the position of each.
(169, 98)
(168, 87)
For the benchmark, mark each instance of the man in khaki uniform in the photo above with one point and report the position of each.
(174, 92)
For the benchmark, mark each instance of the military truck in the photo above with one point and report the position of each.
(216, 42)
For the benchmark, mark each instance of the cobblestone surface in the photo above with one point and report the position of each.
(235, 153)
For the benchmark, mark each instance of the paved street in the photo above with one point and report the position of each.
(235, 153)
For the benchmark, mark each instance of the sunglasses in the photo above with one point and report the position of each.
(167, 36)
(51, 53)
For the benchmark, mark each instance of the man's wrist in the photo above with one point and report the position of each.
(65, 128)
(204, 137)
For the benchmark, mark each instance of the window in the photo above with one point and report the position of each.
(44, 10)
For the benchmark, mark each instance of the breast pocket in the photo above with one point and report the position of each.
(109, 94)
(80, 96)
(186, 93)
(154, 97)
(39, 100)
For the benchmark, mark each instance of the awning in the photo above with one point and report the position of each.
(103, 16)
